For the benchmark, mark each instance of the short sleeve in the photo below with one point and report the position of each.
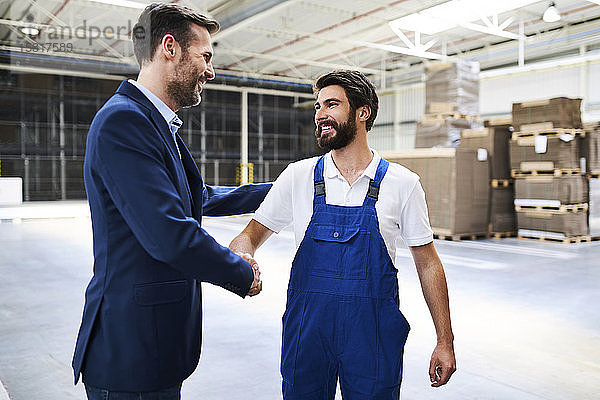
(276, 211)
(414, 219)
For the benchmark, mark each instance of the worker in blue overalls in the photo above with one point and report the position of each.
(348, 208)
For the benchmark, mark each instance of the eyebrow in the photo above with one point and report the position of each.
(329, 100)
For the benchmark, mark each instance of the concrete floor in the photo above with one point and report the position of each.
(525, 316)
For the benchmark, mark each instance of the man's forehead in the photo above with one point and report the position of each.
(332, 92)
(201, 37)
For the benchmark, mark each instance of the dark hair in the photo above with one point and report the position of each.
(158, 20)
(359, 90)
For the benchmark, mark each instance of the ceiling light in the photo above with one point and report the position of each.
(452, 13)
(30, 31)
(122, 3)
(551, 14)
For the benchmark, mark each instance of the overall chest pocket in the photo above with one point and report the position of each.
(339, 251)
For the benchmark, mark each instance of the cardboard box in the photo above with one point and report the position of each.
(500, 121)
(551, 190)
(594, 207)
(544, 153)
(591, 147)
(569, 224)
(502, 210)
(442, 131)
(456, 187)
(494, 140)
(452, 87)
(562, 112)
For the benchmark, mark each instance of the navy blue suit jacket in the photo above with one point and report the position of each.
(142, 320)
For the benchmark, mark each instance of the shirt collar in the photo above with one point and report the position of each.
(331, 170)
(169, 115)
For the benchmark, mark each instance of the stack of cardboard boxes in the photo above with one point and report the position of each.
(491, 143)
(455, 181)
(456, 188)
(451, 104)
(591, 150)
(551, 195)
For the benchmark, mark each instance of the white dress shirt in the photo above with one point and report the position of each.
(401, 208)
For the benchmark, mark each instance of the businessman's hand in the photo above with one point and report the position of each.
(256, 283)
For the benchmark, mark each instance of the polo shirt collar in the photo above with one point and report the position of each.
(331, 170)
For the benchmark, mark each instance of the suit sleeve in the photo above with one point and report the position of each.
(130, 158)
(219, 201)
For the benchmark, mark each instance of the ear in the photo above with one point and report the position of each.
(364, 113)
(169, 46)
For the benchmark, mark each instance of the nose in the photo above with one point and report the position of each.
(320, 115)
(210, 71)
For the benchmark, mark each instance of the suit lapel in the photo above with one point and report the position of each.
(158, 120)
(186, 177)
(196, 185)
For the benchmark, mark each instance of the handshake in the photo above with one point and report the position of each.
(256, 283)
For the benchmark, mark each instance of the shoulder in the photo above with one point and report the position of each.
(304, 167)
(119, 114)
(124, 122)
(304, 164)
(121, 107)
(401, 177)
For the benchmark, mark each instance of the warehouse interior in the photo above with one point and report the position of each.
(495, 105)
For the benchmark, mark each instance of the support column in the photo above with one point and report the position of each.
(61, 132)
(397, 111)
(583, 79)
(261, 142)
(216, 178)
(202, 141)
(244, 141)
(521, 44)
(383, 83)
(26, 179)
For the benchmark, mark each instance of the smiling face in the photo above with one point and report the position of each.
(335, 119)
(192, 71)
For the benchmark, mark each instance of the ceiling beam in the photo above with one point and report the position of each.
(284, 59)
(250, 16)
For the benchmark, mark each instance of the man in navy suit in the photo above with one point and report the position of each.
(140, 335)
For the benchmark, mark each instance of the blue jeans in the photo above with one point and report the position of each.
(172, 393)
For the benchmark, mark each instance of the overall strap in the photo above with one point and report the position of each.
(375, 183)
(319, 182)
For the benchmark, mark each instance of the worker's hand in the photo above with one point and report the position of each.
(442, 365)
(256, 287)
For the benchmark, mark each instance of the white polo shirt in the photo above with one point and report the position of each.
(401, 208)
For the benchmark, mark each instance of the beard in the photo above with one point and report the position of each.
(344, 134)
(182, 88)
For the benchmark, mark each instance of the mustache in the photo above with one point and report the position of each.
(320, 124)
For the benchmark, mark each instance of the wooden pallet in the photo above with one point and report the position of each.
(517, 173)
(500, 182)
(576, 239)
(455, 115)
(500, 235)
(499, 121)
(463, 236)
(548, 132)
(561, 209)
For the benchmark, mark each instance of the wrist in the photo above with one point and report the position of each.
(447, 341)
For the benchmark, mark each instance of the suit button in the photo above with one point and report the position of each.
(336, 234)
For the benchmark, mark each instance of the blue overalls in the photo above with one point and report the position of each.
(342, 313)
